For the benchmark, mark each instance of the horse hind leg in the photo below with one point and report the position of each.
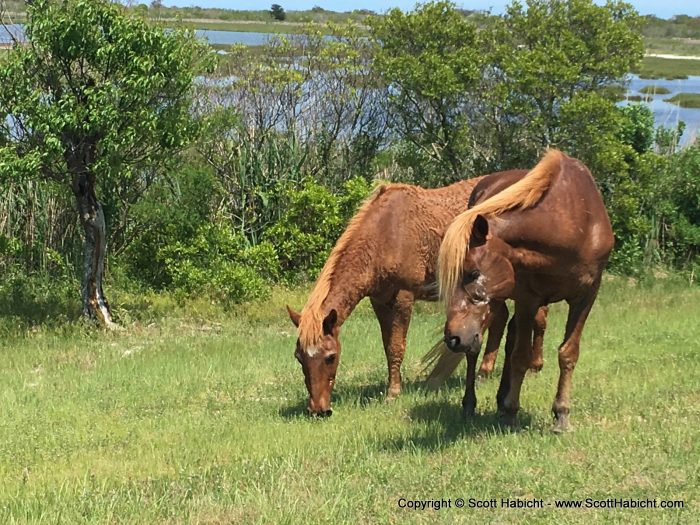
(497, 325)
(394, 318)
(568, 357)
(538, 339)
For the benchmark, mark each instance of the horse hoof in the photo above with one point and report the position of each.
(536, 367)
(561, 425)
(468, 412)
(508, 420)
(391, 396)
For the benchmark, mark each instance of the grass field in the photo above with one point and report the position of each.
(197, 417)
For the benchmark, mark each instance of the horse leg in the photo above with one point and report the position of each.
(497, 325)
(519, 361)
(469, 400)
(568, 356)
(538, 339)
(504, 385)
(394, 318)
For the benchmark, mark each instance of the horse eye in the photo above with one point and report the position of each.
(330, 359)
(471, 276)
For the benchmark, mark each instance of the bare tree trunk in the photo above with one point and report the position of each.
(95, 305)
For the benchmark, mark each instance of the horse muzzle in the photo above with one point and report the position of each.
(320, 413)
(456, 343)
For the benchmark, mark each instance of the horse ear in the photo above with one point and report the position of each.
(480, 231)
(294, 316)
(329, 322)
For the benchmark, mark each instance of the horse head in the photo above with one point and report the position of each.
(487, 276)
(319, 361)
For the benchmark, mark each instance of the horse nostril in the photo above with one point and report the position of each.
(452, 342)
(326, 413)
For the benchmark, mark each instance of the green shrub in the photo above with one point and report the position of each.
(171, 212)
(312, 222)
(218, 263)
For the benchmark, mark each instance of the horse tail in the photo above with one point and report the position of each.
(443, 362)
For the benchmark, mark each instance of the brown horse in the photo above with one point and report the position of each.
(538, 239)
(388, 253)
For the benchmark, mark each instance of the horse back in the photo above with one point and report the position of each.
(570, 217)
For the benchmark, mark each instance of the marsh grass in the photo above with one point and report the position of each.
(655, 67)
(685, 100)
(654, 90)
(194, 414)
(239, 26)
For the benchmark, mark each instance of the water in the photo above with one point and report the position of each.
(212, 36)
(665, 113)
(8, 31)
(233, 37)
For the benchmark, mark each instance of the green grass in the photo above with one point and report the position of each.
(654, 67)
(685, 100)
(654, 90)
(194, 415)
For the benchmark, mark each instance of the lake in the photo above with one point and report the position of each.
(212, 36)
(665, 113)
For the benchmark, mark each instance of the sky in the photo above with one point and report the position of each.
(660, 8)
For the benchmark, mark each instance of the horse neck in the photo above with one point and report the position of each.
(353, 279)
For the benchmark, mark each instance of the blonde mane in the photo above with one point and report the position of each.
(310, 329)
(523, 194)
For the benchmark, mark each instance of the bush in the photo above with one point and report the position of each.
(171, 212)
(313, 221)
(218, 263)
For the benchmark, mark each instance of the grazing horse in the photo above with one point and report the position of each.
(388, 253)
(537, 238)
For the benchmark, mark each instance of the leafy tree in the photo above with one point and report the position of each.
(97, 99)
(431, 62)
(552, 52)
(277, 12)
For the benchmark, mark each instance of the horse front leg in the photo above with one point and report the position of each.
(497, 325)
(568, 357)
(504, 385)
(394, 318)
(520, 360)
(469, 400)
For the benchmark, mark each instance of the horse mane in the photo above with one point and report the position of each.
(310, 329)
(523, 194)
